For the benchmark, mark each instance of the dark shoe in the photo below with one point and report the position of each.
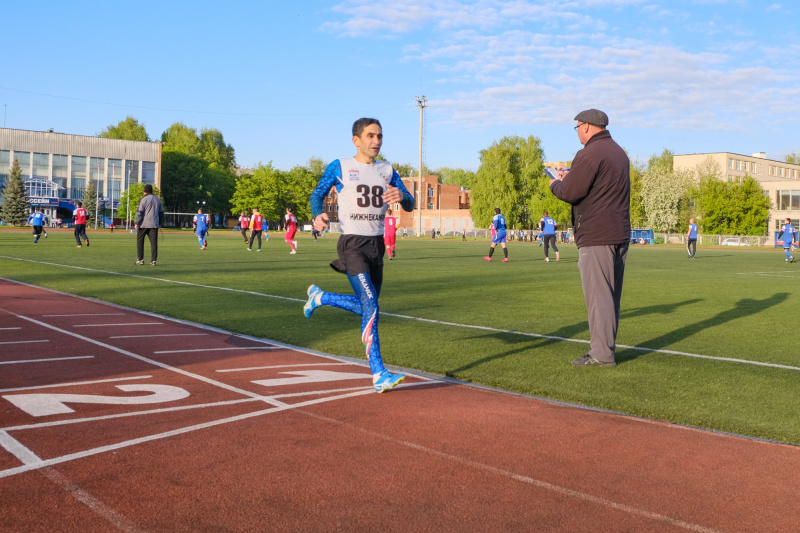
(588, 360)
(87, 243)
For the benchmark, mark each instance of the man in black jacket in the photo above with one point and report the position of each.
(598, 187)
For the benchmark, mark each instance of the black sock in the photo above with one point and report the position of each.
(491, 251)
(505, 252)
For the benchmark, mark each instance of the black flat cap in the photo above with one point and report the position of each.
(594, 117)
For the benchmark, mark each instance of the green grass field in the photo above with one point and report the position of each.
(507, 325)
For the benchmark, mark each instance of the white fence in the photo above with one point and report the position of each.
(717, 240)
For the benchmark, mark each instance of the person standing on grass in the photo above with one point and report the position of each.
(389, 234)
(256, 227)
(498, 228)
(200, 223)
(79, 219)
(37, 220)
(291, 229)
(149, 217)
(547, 225)
(244, 225)
(598, 187)
(365, 188)
(788, 237)
(691, 239)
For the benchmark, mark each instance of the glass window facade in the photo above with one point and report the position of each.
(97, 171)
(78, 177)
(5, 167)
(114, 174)
(148, 172)
(131, 173)
(787, 200)
(41, 166)
(24, 159)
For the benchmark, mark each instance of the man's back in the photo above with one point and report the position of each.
(148, 212)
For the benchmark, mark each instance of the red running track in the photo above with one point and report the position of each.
(118, 420)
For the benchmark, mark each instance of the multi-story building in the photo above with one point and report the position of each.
(444, 207)
(56, 167)
(780, 180)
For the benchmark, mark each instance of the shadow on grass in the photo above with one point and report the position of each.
(744, 307)
(563, 334)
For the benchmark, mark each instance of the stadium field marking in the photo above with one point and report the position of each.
(46, 360)
(279, 366)
(4, 329)
(109, 325)
(110, 380)
(89, 314)
(160, 335)
(180, 431)
(419, 319)
(17, 449)
(224, 403)
(221, 349)
(23, 342)
(791, 274)
(151, 361)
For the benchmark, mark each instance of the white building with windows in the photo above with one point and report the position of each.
(56, 167)
(780, 180)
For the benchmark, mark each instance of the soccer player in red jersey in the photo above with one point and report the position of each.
(79, 221)
(244, 224)
(389, 233)
(291, 229)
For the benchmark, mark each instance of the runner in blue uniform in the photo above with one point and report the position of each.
(788, 238)
(547, 225)
(200, 223)
(499, 237)
(365, 188)
(37, 220)
(691, 239)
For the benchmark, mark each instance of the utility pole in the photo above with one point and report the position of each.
(422, 104)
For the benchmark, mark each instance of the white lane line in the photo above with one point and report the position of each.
(222, 349)
(90, 314)
(23, 342)
(74, 383)
(18, 450)
(407, 317)
(180, 431)
(153, 362)
(603, 502)
(4, 329)
(160, 335)
(279, 366)
(127, 324)
(46, 360)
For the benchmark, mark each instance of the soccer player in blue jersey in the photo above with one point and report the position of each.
(547, 226)
(691, 239)
(200, 223)
(37, 220)
(499, 236)
(366, 188)
(788, 237)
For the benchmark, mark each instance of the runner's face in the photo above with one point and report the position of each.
(369, 142)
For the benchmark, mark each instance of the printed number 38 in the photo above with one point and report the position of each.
(370, 197)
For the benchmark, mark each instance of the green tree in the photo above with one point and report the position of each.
(215, 151)
(272, 191)
(666, 194)
(128, 129)
(456, 176)
(181, 138)
(793, 158)
(90, 203)
(732, 208)
(136, 192)
(14, 209)
(317, 167)
(510, 175)
(637, 206)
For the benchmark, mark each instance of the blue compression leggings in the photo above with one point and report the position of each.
(364, 303)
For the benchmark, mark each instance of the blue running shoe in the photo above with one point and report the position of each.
(311, 304)
(386, 380)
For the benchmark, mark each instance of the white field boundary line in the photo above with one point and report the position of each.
(46, 360)
(247, 369)
(92, 382)
(225, 403)
(159, 335)
(6, 329)
(153, 362)
(789, 274)
(109, 325)
(87, 314)
(428, 320)
(23, 342)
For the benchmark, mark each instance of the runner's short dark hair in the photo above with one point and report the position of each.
(360, 124)
(148, 189)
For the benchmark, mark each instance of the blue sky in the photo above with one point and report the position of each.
(284, 81)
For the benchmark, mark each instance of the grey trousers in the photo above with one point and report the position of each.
(602, 269)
